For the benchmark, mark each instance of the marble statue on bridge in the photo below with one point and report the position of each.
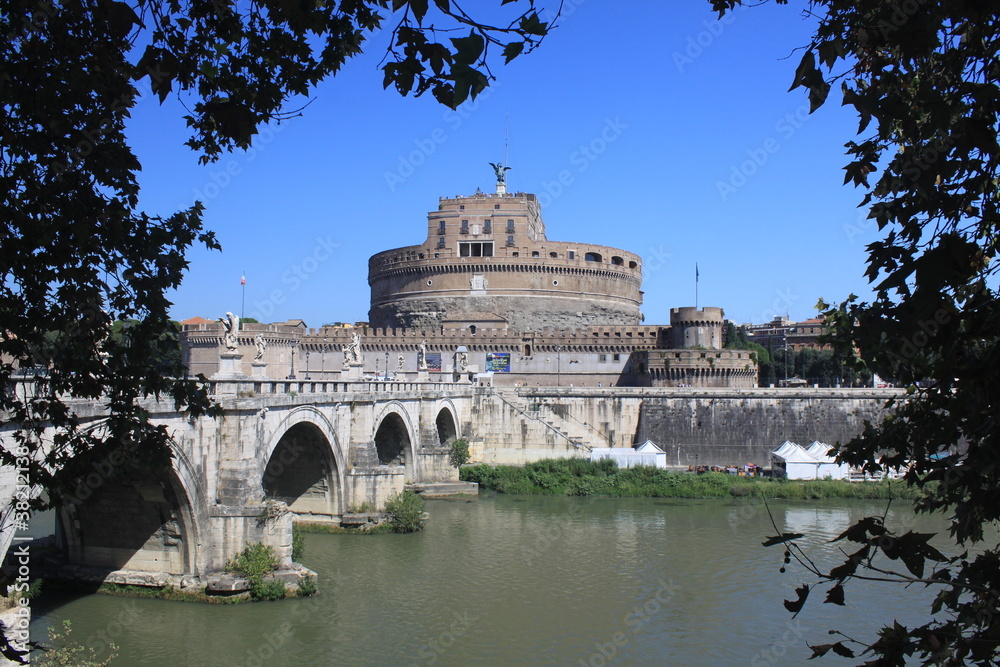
(232, 330)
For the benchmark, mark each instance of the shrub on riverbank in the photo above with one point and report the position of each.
(406, 512)
(578, 477)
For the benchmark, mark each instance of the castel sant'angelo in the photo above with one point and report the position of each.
(487, 297)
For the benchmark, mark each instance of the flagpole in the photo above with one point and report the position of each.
(696, 285)
(243, 304)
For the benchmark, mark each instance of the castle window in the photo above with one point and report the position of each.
(617, 261)
(440, 242)
(465, 227)
(510, 241)
(475, 248)
(616, 357)
(553, 255)
(496, 207)
(488, 227)
(461, 207)
(472, 329)
(441, 227)
(632, 265)
(534, 253)
(602, 358)
(515, 254)
(592, 257)
(572, 254)
(510, 226)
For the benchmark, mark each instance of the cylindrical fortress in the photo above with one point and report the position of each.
(487, 253)
(697, 327)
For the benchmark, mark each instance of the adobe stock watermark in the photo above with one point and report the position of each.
(697, 44)
(546, 539)
(912, 344)
(222, 178)
(782, 305)
(656, 259)
(277, 644)
(581, 159)
(739, 174)
(102, 642)
(294, 277)
(431, 650)
(635, 621)
(424, 147)
(794, 634)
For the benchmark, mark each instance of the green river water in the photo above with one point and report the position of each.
(507, 580)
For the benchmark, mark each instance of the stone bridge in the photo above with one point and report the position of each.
(320, 448)
(300, 450)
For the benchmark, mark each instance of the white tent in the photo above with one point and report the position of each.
(827, 467)
(645, 454)
(792, 461)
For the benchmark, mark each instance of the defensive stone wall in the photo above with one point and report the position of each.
(720, 427)
(694, 426)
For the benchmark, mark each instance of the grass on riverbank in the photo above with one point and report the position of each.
(578, 477)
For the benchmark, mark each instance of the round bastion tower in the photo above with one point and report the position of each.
(694, 327)
(488, 254)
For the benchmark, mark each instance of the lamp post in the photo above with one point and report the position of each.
(291, 374)
(387, 364)
(307, 364)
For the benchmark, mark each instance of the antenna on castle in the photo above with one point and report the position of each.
(501, 169)
(506, 140)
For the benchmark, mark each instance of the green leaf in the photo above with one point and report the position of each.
(835, 595)
(468, 49)
(795, 606)
(512, 50)
(532, 25)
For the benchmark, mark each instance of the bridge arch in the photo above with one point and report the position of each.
(304, 466)
(128, 517)
(395, 437)
(446, 423)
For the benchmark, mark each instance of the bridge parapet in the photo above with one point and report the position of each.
(262, 387)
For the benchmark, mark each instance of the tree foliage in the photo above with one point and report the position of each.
(78, 257)
(923, 76)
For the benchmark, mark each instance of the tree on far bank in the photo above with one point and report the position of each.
(924, 79)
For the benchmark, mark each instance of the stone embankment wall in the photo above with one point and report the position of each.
(520, 425)
(726, 427)
(694, 426)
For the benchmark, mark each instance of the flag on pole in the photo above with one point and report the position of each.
(696, 271)
(243, 280)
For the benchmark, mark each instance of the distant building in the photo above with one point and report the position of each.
(782, 332)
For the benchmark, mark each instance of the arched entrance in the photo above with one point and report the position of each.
(302, 473)
(446, 429)
(132, 520)
(392, 441)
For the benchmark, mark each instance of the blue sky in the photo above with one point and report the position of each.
(647, 126)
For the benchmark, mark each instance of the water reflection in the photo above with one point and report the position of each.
(560, 581)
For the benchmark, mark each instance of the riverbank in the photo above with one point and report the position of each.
(578, 477)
